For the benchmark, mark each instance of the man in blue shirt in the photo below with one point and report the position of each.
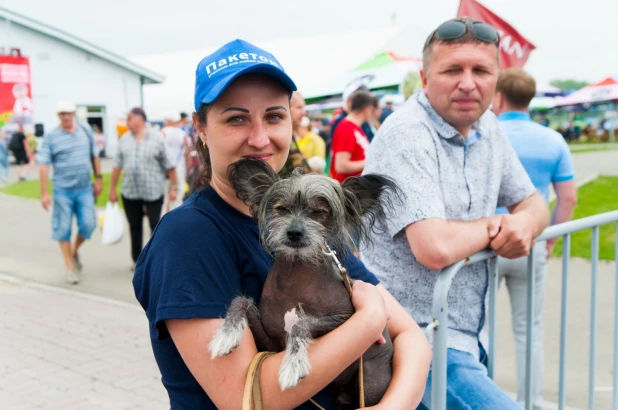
(70, 150)
(547, 160)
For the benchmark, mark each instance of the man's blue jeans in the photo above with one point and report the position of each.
(69, 203)
(468, 385)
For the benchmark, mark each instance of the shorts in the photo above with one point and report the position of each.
(70, 202)
(21, 157)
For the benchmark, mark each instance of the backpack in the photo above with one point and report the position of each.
(16, 144)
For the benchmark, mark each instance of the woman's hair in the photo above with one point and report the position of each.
(205, 169)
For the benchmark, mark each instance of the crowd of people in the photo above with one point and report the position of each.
(471, 179)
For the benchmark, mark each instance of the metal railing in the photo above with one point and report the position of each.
(440, 312)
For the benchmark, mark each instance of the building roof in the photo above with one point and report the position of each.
(150, 77)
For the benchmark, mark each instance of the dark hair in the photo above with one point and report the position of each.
(183, 115)
(139, 111)
(361, 100)
(205, 168)
(517, 87)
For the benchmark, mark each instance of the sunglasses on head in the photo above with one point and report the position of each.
(453, 29)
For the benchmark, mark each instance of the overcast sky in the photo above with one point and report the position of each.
(574, 38)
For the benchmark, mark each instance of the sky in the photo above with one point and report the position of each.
(574, 39)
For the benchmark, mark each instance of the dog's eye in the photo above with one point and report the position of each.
(282, 209)
(318, 212)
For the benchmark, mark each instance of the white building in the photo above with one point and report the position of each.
(104, 86)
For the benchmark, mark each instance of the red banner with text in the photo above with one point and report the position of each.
(15, 92)
(514, 48)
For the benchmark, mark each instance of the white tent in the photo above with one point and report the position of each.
(378, 74)
(310, 61)
(542, 103)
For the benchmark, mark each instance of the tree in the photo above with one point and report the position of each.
(568, 85)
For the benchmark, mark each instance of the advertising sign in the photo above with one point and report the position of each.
(15, 92)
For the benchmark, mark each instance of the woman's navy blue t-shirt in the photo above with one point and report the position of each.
(200, 257)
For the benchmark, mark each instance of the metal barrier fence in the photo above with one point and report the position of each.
(440, 312)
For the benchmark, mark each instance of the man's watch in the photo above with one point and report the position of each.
(98, 176)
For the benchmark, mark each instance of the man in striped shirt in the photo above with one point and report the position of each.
(69, 150)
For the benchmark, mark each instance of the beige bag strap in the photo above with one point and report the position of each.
(253, 389)
(253, 392)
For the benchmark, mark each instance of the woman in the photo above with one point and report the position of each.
(99, 140)
(208, 251)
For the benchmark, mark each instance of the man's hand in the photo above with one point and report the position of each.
(98, 187)
(113, 197)
(173, 194)
(514, 239)
(45, 200)
(493, 226)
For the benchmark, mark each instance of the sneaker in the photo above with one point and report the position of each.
(78, 265)
(71, 277)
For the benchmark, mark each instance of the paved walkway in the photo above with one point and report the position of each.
(65, 350)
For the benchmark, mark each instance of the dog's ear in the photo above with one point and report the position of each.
(251, 179)
(368, 199)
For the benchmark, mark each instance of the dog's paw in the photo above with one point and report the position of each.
(294, 368)
(227, 338)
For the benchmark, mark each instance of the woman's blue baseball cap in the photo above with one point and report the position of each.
(217, 71)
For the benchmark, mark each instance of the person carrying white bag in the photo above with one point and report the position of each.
(113, 226)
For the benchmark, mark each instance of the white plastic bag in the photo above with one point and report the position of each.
(113, 224)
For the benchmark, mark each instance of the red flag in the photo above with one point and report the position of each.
(514, 48)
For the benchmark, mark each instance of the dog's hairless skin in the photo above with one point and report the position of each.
(304, 296)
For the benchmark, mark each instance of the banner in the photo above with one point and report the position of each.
(15, 93)
(514, 48)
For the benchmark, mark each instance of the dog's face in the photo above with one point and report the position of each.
(300, 215)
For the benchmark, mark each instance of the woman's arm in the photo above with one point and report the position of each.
(223, 378)
(411, 359)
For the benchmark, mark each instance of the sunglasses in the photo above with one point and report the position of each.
(453, 29)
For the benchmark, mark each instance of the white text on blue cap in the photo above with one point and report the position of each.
(234, 59)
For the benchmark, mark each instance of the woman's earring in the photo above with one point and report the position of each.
(205, 144)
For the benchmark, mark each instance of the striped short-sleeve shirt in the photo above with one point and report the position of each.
(69, 154)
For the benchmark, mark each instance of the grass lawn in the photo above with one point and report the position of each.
(581, 151)
(599, 196)
(32, 190)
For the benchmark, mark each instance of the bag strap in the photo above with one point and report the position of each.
(91, 141)
(252, 395)
(253, 391)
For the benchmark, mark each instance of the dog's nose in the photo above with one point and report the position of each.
(295, 234)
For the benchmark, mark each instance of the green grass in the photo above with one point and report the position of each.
(32, 190)
(596, 197)
(583, 150)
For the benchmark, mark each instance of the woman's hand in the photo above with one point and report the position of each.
(368, 302)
